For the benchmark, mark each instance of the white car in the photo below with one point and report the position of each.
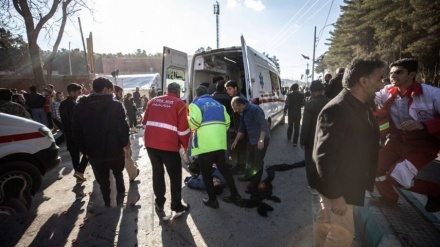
(27, 152)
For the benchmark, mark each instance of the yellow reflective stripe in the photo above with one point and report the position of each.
(384, 126)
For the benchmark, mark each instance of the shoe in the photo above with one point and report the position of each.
(210, 203)
(158, 207)
(79, 181)
(79, 175)
(181, 209)
(433, 204)
(387, 191)
(137, 174)
(236, 199)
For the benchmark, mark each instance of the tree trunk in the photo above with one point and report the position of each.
(37, 68)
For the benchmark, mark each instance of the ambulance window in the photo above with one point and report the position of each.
(177, 76)
(275, 80)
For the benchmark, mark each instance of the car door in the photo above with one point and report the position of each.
(175, 69)
(247, 72)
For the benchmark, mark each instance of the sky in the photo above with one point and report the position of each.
(281, 28)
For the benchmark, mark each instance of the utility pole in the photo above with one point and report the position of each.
(70, 61)
(313, 59)
(217, 13)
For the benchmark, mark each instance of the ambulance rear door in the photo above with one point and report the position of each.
(175, 69)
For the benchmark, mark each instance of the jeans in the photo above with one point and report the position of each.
(256, 161)
(101, 170)
(206, 161)
(39, 115)
(173, 164)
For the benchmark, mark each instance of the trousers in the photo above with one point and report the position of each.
(173, 164)
(101, 170)
(206, 161)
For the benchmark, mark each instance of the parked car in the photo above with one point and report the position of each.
(27, 152)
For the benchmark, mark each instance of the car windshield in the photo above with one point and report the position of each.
(141, 82)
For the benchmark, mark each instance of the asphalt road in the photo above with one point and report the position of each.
(66, 214)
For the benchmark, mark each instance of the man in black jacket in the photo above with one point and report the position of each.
(311, 111)
(335, 85)
(294, 103)
(66, 112)
(101, 132)
(346, 152)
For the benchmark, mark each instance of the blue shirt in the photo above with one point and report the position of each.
(253, 122)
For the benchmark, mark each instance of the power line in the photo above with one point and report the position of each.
(325, 23)
(289, 35)
(287, 24)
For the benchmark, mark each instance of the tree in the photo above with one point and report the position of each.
(389, 30)
(35, 16)
(274, 59)
(14, 53)
(201, 49)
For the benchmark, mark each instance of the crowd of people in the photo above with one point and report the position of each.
(347, 150)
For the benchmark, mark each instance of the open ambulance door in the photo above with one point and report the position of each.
(247, 72)
(175, 69)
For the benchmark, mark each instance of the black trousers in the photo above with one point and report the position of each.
(173, 164)
(79, 162)
(293, 125)
(242, 151)
(206, 161)
(311, 171)
(256, 161)
(101, 170)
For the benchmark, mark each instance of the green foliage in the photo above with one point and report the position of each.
(14, 53)
(389, 30)
(274, 59)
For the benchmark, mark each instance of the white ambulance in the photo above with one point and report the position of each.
(261, 77)
(27, 152)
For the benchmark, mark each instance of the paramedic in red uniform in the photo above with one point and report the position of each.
(414, 139)
(166, 131)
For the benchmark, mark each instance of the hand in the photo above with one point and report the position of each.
(260, 145)
(410, 125)
(233, 145)
(338, 206)
(303, 147)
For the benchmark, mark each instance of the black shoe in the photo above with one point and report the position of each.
(236, 199)
(158, 207)
(433, 204)
(210, 203)
(181, 209)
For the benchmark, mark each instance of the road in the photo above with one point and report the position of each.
(67, 214)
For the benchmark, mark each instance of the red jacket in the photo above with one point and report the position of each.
(166, 123)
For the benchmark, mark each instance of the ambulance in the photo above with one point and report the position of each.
(27, 152)
(242, 64)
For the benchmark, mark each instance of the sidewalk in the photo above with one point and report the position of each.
(403, 224)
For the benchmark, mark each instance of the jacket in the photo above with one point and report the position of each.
(424, 105)
(66, 112)
(346, 149)
(209, 122)
(166, 123)
(99, 128)
(294, 103)
(310, 116)
(334, 87)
